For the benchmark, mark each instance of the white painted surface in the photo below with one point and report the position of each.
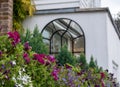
(57, 4)
(95, 31)
(113, 49)
(101, 39)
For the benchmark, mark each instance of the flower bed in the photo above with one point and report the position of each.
(21, 67)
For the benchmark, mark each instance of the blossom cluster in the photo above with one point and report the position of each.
(15, 37)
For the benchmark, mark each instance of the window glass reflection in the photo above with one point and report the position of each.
(64, 31)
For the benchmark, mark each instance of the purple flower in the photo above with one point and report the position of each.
(26, 57)
(15, 36)
(26, 46)
(3, 66)
(0, 53)
(6, 71)
(12, 63)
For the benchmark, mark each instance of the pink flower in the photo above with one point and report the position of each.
(26, 57)
(51, 58)
(26, 46)
(15, 36)
(55, 73)
(40, 58)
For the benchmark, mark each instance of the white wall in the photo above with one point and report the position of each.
(92, 25)
(57, 4)
(113, 48)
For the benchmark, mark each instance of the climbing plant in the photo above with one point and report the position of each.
(21, 9)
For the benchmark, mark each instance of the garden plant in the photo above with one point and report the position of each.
(22, 67)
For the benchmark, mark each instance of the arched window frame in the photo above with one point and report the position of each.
(65, 31)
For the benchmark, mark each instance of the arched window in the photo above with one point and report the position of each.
(64, 31)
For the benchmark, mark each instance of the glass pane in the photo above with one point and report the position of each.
(64, 41)
(76, 27)
(64, 21)
(59, 26)
(79, 45)
(67, 35)
(56, 43)
(48, 31)
(46, 34)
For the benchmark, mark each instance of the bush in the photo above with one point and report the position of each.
(19, 66)
(92, 63)
(82, 62)
(35, 40)
(65, 56)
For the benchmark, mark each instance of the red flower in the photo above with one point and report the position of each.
(26, 57)
(102, 75)
(15, 36)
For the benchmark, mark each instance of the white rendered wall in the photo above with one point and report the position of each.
(113, 48)
(57, 4)
(93, 27)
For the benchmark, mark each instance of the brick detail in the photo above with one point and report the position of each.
(6, 14)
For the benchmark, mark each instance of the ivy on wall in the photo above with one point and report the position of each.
(21, 9)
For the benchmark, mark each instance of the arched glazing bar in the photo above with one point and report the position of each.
(64, 31)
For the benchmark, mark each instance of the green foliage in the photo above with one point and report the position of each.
(21, 9)
(35, 40)
(92, 63)
(18, 67)
(8, 55)
(65, 56)
(82, 61)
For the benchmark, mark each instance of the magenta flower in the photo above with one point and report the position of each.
(15, 36)
(26, 57)
(51, 58)
(55, 73)
(40, 58)
(26, 46)
(68, 66)
(0, 53)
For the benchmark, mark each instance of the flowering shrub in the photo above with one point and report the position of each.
(70, 76)
(21, 67)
